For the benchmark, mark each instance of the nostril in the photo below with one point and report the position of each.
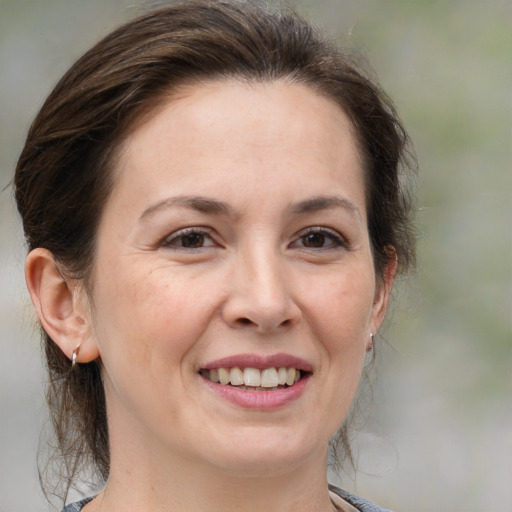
(247, 321)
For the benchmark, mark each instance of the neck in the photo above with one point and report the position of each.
(181, 485)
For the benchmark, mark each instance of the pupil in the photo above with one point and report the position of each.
(314, 240)
(193, 240)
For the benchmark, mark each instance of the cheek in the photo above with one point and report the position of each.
(145, 327)
(129, 314)
(340, 316)
(152, 315)
(342, 307)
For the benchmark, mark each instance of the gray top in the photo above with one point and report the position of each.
(359, 503)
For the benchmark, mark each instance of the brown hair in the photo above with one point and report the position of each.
(65, 171)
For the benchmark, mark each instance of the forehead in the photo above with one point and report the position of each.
(268, 104)
(239, 134)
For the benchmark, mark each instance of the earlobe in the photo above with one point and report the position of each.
(383, 291)
(58, 304)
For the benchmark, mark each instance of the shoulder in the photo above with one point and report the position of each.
(76, 507)
(359, 503)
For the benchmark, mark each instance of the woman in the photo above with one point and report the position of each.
(214, 212)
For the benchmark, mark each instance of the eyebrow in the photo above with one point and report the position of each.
(320, 203)
(201, 204)
(211, 206)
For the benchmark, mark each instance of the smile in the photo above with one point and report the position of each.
(254, 379)
(257, 382)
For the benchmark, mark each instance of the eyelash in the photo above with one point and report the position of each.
(182, 233)
(337, 241)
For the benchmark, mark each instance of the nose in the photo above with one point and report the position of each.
(261, 294)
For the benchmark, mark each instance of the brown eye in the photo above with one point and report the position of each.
(189, 238)
(192, 240)
(319, 238)
(314, 240)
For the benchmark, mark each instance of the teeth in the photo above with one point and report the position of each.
(236, 377)
(281, 375)
(253, 377)
(223, 376)
(269, 378)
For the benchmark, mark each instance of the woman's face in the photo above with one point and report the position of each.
(234, 245)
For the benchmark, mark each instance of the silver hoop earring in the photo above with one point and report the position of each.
(370, 354)
(371, 346)
(76, 350)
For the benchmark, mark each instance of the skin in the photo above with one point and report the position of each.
(255, 281)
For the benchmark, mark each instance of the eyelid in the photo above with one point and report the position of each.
(339, 240)
(166, 242)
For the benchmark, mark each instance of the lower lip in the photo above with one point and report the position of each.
(260, 400)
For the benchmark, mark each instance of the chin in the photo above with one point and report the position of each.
(248, 455)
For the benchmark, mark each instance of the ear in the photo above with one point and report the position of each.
(383, 290)
(61, 306)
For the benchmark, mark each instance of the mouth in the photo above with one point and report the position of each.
(258, 382)
(255, 379)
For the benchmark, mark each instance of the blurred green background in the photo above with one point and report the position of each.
(440, 437)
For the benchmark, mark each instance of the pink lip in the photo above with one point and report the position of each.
(260, 362)
(259, 400)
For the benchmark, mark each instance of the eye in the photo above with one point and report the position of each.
(189, 238)
(319, 238)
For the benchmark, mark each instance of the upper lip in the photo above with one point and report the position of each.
(260, 362)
